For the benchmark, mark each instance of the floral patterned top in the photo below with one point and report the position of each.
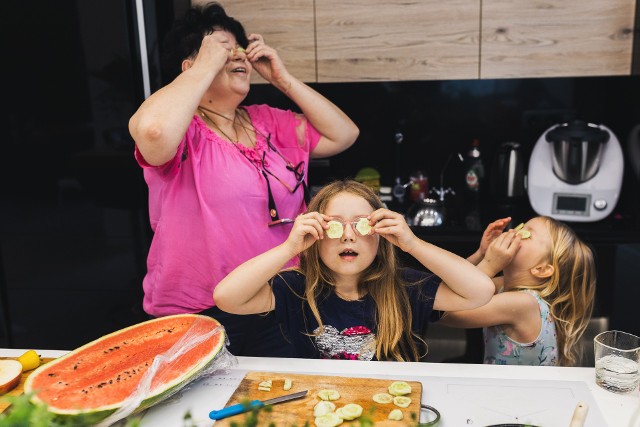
(499, 349)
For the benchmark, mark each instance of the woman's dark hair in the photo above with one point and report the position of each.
(185, 36)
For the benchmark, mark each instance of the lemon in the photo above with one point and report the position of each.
(29, 360)
(335, 229)
(363, 226)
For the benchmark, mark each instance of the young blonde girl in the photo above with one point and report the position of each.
(544, 299)
(349, 299)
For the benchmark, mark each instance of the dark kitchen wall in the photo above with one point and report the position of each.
(73, 223)
(441, 117)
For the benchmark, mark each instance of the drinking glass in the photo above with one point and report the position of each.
(617, 357)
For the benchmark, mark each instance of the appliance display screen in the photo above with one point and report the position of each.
(571, 204)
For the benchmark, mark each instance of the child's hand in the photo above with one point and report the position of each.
(393, 227)
(307, 229)
(502, 250)
(492, 231)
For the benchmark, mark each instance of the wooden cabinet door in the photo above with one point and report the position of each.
(286, 25)
(373, 40)
(543, 38)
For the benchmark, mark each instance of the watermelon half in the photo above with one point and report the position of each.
(92, 382)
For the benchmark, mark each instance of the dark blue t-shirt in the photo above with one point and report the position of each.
(349, 326)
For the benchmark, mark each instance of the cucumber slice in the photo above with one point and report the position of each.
(335, 229)
(382, 398)
(396, 415)
(399, 388)
(363, 226)
(287, 384)
(350, 411)
(519, 227)
(525, 234)
(328, 394)
(323, 407)
(402, 401)
(328, 420)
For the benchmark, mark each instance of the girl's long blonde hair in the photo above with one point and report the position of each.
(381, 280)
(570, 290)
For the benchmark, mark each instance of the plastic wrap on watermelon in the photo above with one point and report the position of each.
(198, 334)
(130, 370)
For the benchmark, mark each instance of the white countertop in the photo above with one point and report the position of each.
(618, 410)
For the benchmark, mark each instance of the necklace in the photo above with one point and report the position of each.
(241, 121)
(205, 116)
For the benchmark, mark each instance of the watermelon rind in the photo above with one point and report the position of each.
(84, 417)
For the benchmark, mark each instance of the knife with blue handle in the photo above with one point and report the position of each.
(246, 407)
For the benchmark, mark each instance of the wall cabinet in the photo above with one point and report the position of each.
(397, 40)
(391, 40)
(556, 38)
(286, 25)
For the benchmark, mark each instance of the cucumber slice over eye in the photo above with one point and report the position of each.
(363, 226)
(399, 388)
(350, 411)
(335, 229)
(519, 227)
(323, 407)
(329, 394)
(396, 415)
(328, 420)
(525, 234)
(402, 401)
(382, 398)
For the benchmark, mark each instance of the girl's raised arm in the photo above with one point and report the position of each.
(464, 286)
(246, 290)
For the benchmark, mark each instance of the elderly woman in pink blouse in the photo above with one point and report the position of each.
(224, 179)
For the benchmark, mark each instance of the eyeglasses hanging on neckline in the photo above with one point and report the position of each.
(299, 173)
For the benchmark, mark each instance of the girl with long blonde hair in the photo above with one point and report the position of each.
(349, 299)
(544, 299)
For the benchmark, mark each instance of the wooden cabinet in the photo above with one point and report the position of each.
(286, 25)
(536, 38)
(392, 40)
(360, 40)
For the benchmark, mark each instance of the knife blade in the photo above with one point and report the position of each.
(246, 407)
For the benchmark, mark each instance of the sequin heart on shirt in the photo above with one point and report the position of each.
(353, 343)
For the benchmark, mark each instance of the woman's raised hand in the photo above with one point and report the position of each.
(307, 229)
(393, 227)
(214, 50)
(267, 62)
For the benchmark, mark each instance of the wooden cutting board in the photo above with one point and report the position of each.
(20, 387)
(297, 412)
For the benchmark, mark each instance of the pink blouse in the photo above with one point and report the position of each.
(208, 207)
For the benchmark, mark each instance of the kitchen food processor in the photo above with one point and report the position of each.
(575, 172)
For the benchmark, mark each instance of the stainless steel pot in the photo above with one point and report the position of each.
(577, 150)
(425, 213)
